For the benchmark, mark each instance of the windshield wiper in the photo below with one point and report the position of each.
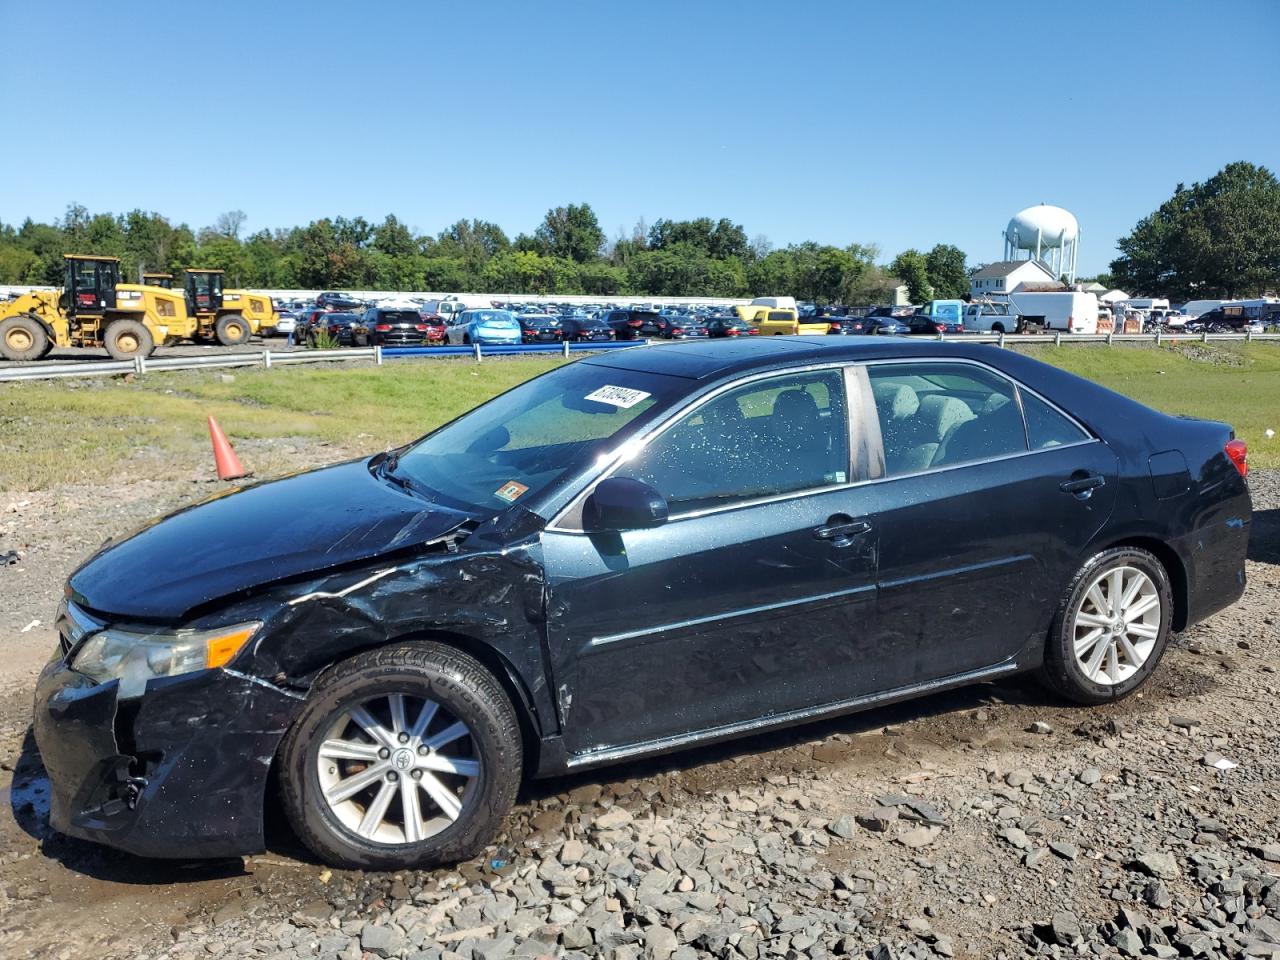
(387, 470)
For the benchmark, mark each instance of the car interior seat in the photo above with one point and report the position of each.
(938, 418)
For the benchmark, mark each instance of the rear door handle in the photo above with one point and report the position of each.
(841, 530)
(1083, 487)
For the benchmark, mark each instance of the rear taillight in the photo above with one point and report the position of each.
(633, 323)
(731, 332)
(384, 327)
(421, 327)
(835, 327)
(1238, 453)
(676, 330)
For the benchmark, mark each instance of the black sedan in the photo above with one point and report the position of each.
(343, 329)
(586, 329)
(684, 328)
(866, 519)
(539, 328)
(730, 325)
(848, 326)
(932, 326)
(635, 324)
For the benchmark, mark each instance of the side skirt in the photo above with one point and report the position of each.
(555, 760)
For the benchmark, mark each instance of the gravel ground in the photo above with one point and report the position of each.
(990, 822)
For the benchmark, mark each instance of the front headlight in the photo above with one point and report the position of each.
(134, 657)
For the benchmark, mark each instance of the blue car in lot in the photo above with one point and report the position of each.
(485, 327)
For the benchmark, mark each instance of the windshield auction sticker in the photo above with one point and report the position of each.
(510, 491)
(617, 396)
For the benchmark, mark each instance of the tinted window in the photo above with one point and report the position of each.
(771, 437)
(937, 414)
(1046, 427)
(400, 316)
(779, 315)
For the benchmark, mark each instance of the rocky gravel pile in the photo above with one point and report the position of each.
(992, 822)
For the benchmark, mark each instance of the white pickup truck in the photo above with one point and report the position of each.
(989, 318)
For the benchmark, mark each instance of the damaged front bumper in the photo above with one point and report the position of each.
(179, 772)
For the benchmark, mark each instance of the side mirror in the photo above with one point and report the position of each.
(620, 503)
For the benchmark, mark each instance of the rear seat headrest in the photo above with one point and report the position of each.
(943, 414)
(896, 400)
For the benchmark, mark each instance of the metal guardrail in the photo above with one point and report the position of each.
(139, 366)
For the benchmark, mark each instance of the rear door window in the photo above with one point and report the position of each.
(1046, 427)
(935, 415)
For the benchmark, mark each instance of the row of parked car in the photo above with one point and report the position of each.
(408, 325)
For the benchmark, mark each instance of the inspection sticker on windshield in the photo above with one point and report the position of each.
(510, 491)
(617, 396)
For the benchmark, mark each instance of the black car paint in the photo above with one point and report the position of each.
(584, 630)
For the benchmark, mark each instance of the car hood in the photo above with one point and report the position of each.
(253, 536)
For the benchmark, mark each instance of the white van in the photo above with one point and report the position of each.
(776, 303)
(1069, 312)
(1194, 308)
(1156, 306)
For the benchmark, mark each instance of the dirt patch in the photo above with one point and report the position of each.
(1018, 825)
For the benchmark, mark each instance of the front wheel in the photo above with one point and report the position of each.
(126, 339)
(1111, 627)
(231, 330)
(404, 757)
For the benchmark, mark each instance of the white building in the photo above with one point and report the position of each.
(1003, 278)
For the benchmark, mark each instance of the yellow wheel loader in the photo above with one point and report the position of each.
(228, 316)
(93, 309)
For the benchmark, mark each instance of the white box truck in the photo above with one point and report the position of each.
(1070, 312)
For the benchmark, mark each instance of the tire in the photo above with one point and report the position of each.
(126, 339)
(1115, 676)
(232, 330)
(997, 328)
(23, 338)
(419, 673)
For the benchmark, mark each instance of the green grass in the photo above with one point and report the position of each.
(1238, 384)
(58, 432)
(90, 431)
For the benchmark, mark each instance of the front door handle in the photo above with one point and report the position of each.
(841, 530)
(1082, 486)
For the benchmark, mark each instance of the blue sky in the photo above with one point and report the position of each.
(901, 124)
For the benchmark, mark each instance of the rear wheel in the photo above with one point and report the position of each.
(404, 757)
(126, 339)
(1111, 628)
(997, 328)
(23, 338)
(231, 329)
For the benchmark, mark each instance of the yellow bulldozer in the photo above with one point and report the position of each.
(228, 316)
(93, 309)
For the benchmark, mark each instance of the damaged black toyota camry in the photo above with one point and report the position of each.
(634, 553)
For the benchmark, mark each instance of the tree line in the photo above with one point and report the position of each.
(568, 253)
(1220, 238)
(1217, 239)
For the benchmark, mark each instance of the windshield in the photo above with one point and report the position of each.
(519, 443)
(400, 316)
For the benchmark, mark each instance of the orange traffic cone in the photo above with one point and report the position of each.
(224, 458)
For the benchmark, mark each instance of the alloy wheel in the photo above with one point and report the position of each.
(397, 769)
(1117, 625)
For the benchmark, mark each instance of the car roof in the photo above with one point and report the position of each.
(697, 361)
